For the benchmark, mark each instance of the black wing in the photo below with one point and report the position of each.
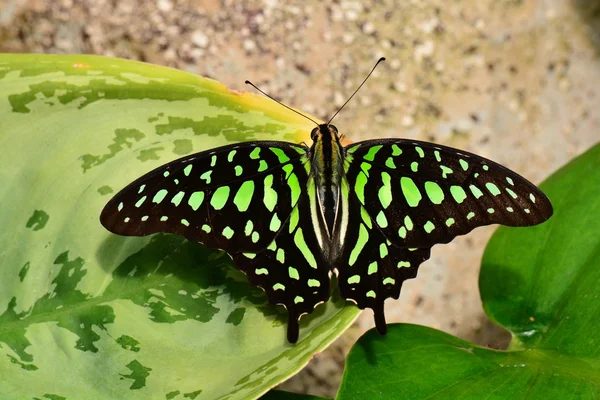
(420, 194)
(234, 198)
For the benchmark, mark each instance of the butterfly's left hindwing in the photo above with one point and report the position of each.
(292, 270)
(234, 198)
(420, 194)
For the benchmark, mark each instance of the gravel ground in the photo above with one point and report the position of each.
(513, 80)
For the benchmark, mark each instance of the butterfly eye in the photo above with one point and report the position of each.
(313, 134)
(332, 127)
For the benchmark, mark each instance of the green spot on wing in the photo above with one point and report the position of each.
(402, 232)
(177, 198)
(140, 202)
(195, 200)
(408, 223)
(372, 268)
(429, 227)
(492, 188)
(228, 232)
(294, 218)
(458, 193)
(230, 155)
(363, 237)
(262, 166)
(445, 171)
(314, 283)
(381, 219)
(219, 197)
(370, 156)
(293, 273)
(280, 255)
(475, 190)
(434, 192)
(270, 195)
(160, 196)
(255, 154)
(390, 163)
(383, 250)
(295, 188)
(206, 176)
(385, 192)
(359, 186)
(411, 191)
(249, 227)
(275, 223)
(281, 156)
(303, 247)
(244, 195)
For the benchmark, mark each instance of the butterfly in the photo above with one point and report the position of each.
(291, 215)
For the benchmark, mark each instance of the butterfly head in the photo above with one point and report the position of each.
(324, 131)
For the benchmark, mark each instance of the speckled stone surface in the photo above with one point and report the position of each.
(517, 81)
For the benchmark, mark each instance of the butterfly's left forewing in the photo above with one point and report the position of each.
(234, 198)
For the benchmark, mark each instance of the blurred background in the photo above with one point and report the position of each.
(516, 81)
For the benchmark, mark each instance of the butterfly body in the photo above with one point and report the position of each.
(327, 171)
(291, 215)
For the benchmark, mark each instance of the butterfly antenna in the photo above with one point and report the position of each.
(278, 102)
(357, 89)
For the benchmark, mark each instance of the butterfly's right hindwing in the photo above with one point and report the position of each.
(234, 198)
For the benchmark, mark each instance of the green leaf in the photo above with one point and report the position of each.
(87, 314)
(541, 283)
